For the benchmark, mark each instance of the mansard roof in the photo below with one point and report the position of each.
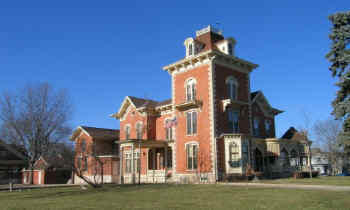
(97, 133)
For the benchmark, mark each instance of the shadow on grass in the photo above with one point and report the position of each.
(77, 191)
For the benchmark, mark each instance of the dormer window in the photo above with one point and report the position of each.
(190, 49)
(230, 49)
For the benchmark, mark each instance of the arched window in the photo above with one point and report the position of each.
(127, 132)
(235, 161)
(139, 130)
(232, 88)
(191, 90)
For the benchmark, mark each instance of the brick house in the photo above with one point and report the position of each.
(96, 154)
(47, 171)
(212, 128)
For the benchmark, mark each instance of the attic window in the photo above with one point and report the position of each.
(230, 49)
(190, 49)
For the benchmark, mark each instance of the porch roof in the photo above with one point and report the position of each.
(143, 143)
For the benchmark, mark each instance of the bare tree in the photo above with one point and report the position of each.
(87, 164)
(36, 118)
(327, 132)
(306, 130)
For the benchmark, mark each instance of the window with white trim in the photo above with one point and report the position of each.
(190, 49)
(168, 129)
(191, 122)
(191, 90)
(256, 123)
(233, 120)
(128, 162)
(232, 88)
(192, 156)
(139, 130)
(235, 160)
(127, 132)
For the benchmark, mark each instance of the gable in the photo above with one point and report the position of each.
(259, 99)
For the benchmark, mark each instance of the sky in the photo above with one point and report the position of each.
(102, 51)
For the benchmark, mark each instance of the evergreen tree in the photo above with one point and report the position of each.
(339, 56)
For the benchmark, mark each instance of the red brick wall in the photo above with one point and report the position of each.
(160, 123)
(257, 112)
(203, 125)
(221, 74)
(131, 118)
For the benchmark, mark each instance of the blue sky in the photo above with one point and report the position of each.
(102, 51)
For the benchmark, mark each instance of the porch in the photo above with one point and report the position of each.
(145, 161)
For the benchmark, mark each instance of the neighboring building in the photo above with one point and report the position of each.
(96, 154)
(319, 161)
(11, 163)
(212, 128)
(49, 170)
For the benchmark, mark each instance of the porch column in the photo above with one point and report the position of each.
(132, 164)
(153, 161)
(165, 162)
(121, 171)
(165, 157)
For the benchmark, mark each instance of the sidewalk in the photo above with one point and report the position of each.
(23, 187)
(290, 186)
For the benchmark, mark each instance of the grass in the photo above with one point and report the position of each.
(323, 180)
(173, 197)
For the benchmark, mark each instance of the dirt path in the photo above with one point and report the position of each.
(291, 186)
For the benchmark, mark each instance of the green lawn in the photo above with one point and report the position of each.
(325, 180)
(173, 197)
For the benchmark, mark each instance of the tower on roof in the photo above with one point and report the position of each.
(209, 38)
